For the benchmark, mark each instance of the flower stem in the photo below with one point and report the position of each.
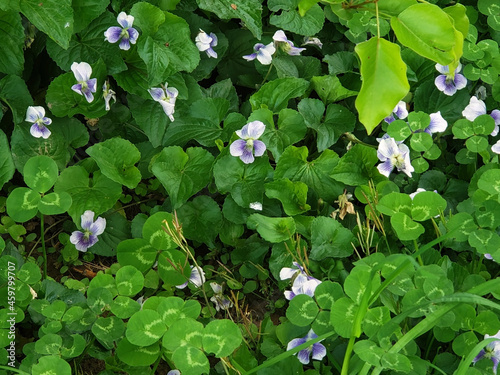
(267, 74)
(44, 251)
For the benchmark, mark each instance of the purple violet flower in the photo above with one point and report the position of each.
(437, 125)
(400, 111)
(196, 278)
(490, 351)
(448, 82)
(205, 42)
(477, 108)
(174, 372)
(36, 115)
(248, 144)
(262, 53)
(302, 283)
(280, 40)
(126, 32)
(393, 155)
(166, 97)
(318, 350)
(220, 301)
(85, 86)
(91, 229)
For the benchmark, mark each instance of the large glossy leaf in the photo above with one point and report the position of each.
(116, 158)
(183, 174)
(14, 93)
(429, 31)
(6, 163)
(384, 81)
(249, 11)
(11, 49)
(53, 17)
(276, 94)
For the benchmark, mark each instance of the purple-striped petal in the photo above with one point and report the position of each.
(211, 53)
(318, 351)
(250, 57)
(237, 147)
(259, 148)
(295, 342)
(133, 35)
(289, 295)
(385, 168)
(98, 226)
(39, 131)
(113, 34)
(92, 84)
(495, 114)
(279, 36)
(386, 148)
(88, 95)
(214, 41)
(87, 219)
(33, 114)
(77, 88)
(438, 124)
(125, 44)
(157, 94)
(124, 20)
(443, 69)
(46, 120)
(460, 81)
(247, 156)
(303, 355)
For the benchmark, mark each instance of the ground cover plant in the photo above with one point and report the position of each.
(245, 186)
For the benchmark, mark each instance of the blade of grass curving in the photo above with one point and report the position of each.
(281, 356)
(368, 299)
(466, 361)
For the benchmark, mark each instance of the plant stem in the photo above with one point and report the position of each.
(267, 74)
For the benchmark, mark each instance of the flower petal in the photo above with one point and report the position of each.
(237, 147)
(496, 148)
(124, 20)
(385, 168)
(214, 41)
(39, 131)
(250, 57)
(460, 81)
(255, 129)
(259, 148)
(295, 342)
(77, 88)
(387, 148)
(157, 94)
(475, 108)
(438, 124)
(133, 35)
(443, 69)
(247, 156)
(98, 226)
(113, 34)
(279, 36)
(288, 273)
(318, 351)
(34, 113)
(82, 71)
(125, 44)
(211, 53)
(303, 355)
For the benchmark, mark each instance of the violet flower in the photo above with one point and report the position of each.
(317, 350)
(257, 206)
(108, 94)
(36, 115)
(448, 82)
(393, 155)
(312, 40)
(220, 301)
(166, 97)
(477, 108)
(302, 283)
(86, 85)
(490, 351)
(126, 32)
(262, 53)
(196, 278)
(248, 144)
(437, 125)
(280, 40)
(400, 111)
(206, 43)
(91, 229)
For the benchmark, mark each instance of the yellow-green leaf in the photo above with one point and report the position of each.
(384, 81)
